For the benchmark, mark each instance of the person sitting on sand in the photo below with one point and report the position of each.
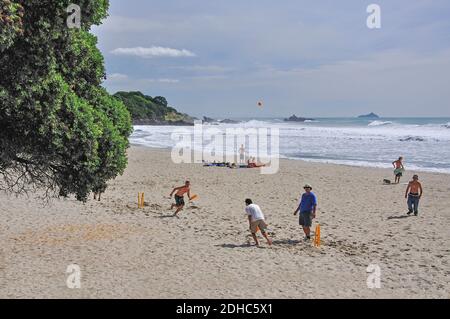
(252, 163)
(217, 164)
(256, 220)
(307, 208)
(398, 169)
(414, 193)
(233, 165)
(179, 196)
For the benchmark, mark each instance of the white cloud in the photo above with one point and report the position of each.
(166, 81)
(117, 77)
(123, 80)
(170, 81)
(153, 52)
(206, 68)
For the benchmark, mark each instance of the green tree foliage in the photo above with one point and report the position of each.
(160, 100)
(59, 129)
(10, 22)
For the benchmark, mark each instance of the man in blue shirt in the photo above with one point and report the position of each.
(307, 208)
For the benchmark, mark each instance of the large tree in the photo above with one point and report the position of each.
(59, 129)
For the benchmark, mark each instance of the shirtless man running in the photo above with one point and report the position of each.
(414, 193)
(179, 196)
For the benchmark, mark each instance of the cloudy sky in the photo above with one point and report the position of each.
(311, 58)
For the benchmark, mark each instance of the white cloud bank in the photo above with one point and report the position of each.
(168, 81)
(117, 77)
(123, 82)
(153, 52)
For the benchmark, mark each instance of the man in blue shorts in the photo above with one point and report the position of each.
(307, 208)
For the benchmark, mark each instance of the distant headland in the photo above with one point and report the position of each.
(147, 110)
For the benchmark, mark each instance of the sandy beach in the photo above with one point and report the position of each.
(126, 252)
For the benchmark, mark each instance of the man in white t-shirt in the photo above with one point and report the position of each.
(256, 221)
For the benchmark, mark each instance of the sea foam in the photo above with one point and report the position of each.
(380, 123)
(425, 146)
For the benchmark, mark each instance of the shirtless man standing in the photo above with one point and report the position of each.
(242, 154)
(413, 193)
(398, 169)
(179, 196)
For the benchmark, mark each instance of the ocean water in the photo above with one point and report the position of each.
(423, 142)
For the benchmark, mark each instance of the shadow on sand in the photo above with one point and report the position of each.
(286, 242)
(168, 216)
(275, 242)
(398, 217)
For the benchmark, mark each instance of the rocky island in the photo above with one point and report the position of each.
(294, 118)
(214, 121)
(369, 116)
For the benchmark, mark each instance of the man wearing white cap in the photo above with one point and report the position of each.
(307, 208)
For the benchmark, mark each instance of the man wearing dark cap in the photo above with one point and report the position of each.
(307, 208)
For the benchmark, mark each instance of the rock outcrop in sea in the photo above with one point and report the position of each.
(369, 116)
(294, 118)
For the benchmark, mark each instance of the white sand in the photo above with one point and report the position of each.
(130, 253)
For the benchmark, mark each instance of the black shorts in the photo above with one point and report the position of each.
(305, 219)
(179, 200)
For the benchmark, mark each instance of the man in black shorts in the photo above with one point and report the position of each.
(307, 208)
(179, 196)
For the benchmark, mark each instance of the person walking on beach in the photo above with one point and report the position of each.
(179, 196)
(307, 208)
(414, 193)
(398, 169)
(256, 220)
(242, 154)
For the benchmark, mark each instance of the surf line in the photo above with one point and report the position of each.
(186, 309)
